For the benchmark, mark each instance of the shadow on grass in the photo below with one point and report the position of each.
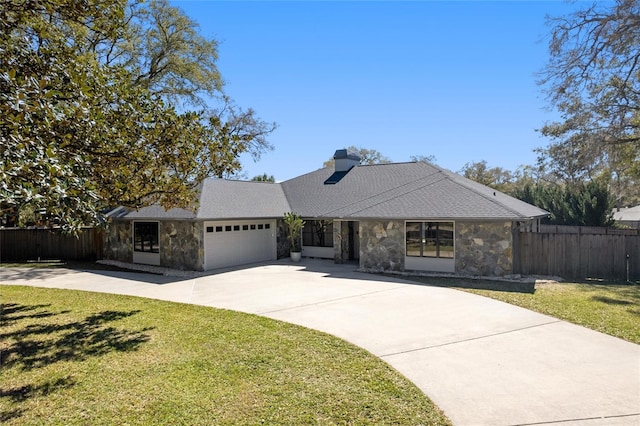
(8, 311)
(617, 294)
(476, 284)
(26, 345)
(5, 416)
(37, 345)
(612, 301)
(21, 393)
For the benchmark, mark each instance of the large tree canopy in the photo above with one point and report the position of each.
(170, 56)
(87, 116)
(593, 80)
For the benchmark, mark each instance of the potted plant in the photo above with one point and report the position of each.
(294, 225)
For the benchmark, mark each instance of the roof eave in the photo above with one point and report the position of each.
(433, 218)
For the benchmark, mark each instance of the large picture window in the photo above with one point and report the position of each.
(317, 233)
(430, 239)
(145, 237)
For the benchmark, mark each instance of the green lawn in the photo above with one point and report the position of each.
(70, 357)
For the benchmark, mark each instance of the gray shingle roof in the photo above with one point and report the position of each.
(226, 199)
(415, 190)
(232, 199)
(630, 214)
(156, 212)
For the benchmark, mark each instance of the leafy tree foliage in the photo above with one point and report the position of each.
(263, 178)
(87, 121)
(367, 156)
(168, 56)
(577, 203)
(580, 204)
(593, 80)
(495, 177)
(167, 51)
(423, 158)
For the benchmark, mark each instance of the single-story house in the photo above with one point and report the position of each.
(410, 216)
(628, 217)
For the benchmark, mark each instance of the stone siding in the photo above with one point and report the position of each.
(118, 241)
(382, 245)
(484, 248)
(181, 245)
(282, 241)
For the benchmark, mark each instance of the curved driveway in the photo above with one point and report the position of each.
(482, 361)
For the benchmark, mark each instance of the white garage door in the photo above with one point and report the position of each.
(238, 243)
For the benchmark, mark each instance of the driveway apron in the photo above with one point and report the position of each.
(483, 362)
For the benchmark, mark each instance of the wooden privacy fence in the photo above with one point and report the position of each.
(578, 252)
(20, 245)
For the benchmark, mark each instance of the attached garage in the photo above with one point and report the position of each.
(232, 243)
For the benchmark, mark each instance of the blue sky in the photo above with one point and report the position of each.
(455, 79)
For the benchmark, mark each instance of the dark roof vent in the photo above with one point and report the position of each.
(344, 161)
(335, 178)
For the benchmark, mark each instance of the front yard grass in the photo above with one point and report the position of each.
(611, 308)
(71, 357)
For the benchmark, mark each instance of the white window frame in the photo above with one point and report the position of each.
(430, 264)
(145, 258)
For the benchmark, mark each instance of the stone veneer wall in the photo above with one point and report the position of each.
(282, 242)
(182, 245)
(117, 241)
(382, 245)
(484, 248)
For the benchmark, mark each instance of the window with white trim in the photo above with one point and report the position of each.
(430, 239)
(317, 233)
(145, 237)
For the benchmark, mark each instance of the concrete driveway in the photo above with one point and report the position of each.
(482, 361)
